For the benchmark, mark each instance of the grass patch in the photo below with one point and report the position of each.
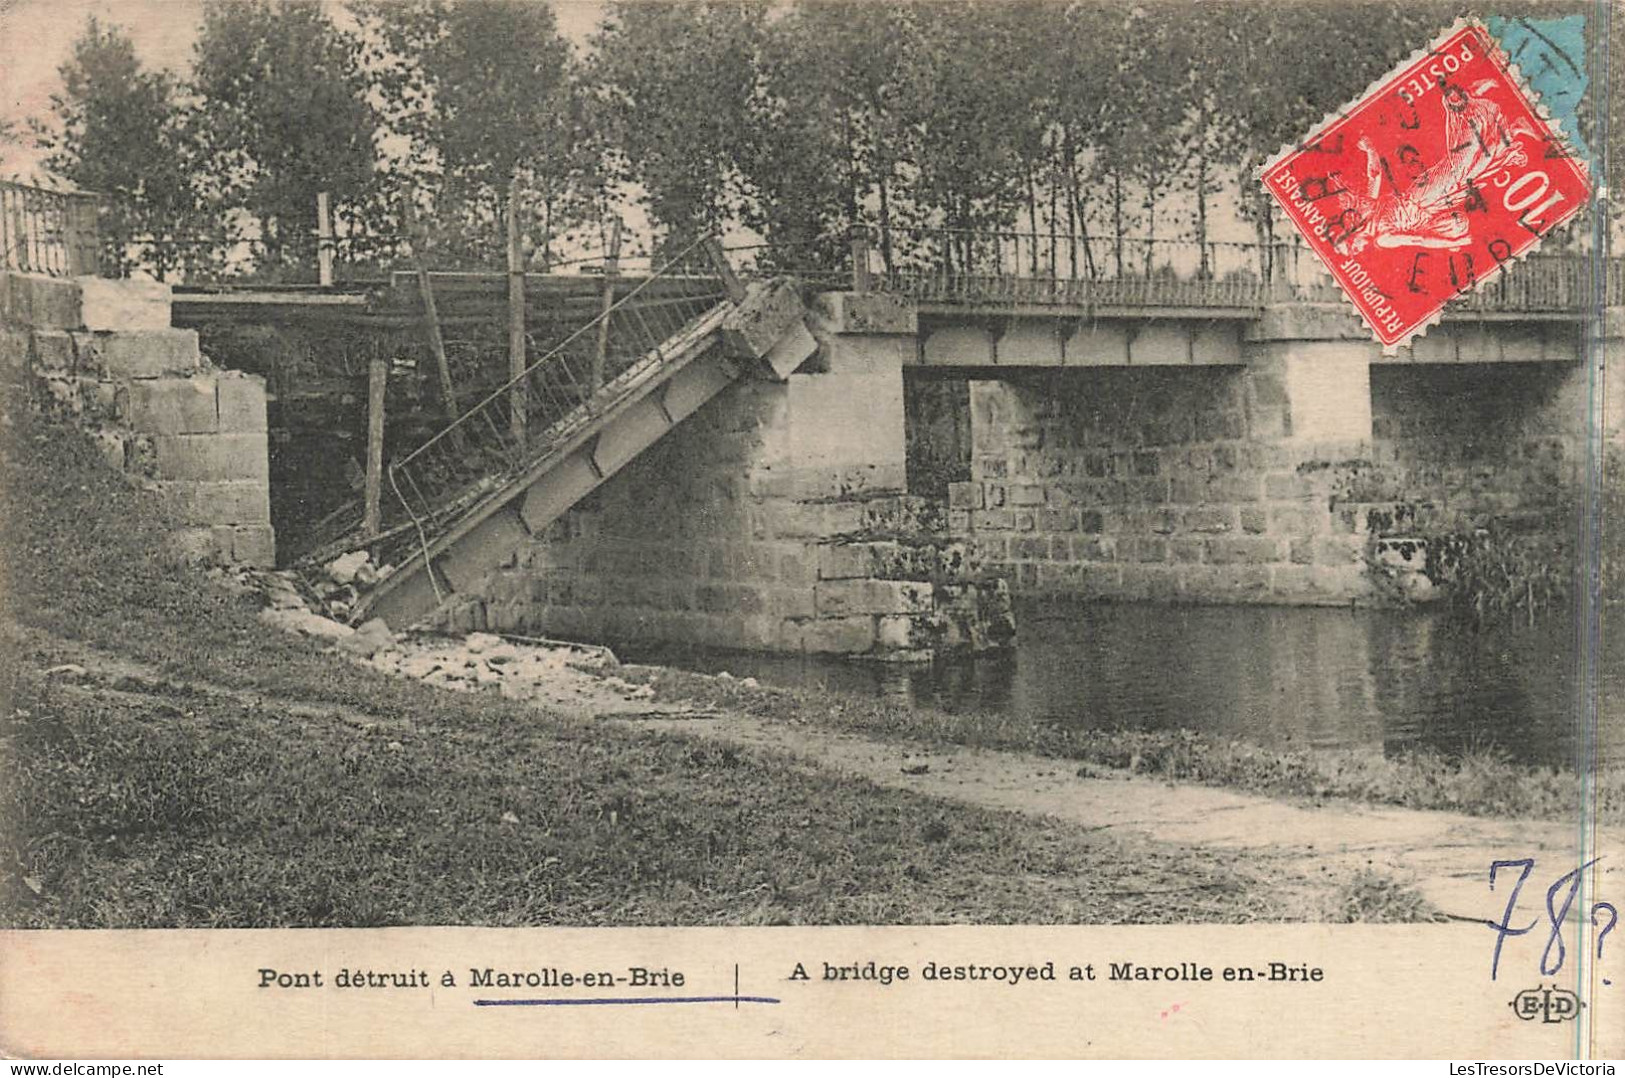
(1482, 783)
(288, 787)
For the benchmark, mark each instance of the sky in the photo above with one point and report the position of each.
(36, 38)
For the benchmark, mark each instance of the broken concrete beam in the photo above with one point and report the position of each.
(792, 350)
(30, 299)
(769, 312)
(123, 305)
(149, 353)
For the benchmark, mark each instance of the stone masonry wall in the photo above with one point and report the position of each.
(103, 352)
(1185, 483)
(712, 537)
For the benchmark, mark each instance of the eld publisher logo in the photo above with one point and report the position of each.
(1551, 1005)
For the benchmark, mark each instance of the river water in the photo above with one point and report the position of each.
(1282, 677)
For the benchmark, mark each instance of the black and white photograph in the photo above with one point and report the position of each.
(775, 464)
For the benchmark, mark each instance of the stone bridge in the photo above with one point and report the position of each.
(885, 468)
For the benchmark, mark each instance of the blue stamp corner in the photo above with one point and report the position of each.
(1551, 54)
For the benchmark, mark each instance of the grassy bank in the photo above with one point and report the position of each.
(1478, 784)
(249, 779)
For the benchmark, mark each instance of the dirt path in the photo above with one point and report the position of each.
(1446, 856)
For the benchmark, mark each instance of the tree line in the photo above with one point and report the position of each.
(428, 120)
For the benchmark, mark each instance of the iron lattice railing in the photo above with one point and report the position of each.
(558, 395)
(991, 266)
(49, 232)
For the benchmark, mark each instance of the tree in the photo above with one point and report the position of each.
(676, 82)
(283, 115)
(487, 95)
(118, 131)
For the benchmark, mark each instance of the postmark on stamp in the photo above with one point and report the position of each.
(1429, 185)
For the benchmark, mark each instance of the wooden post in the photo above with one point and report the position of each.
(324, 240)
(519, 400)
(84, 239)
(719, 261)
(377, 381)
(431, 317)
(612, 267)
(860, 261)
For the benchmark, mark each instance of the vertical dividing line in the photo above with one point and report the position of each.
(520, 406)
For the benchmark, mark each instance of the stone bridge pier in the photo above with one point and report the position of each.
(776, 517)
(1278, 459)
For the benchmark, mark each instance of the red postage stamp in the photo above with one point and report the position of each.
(1429, 185)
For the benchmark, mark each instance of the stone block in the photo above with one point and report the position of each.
(791, 350)
(868, 313)
(867, 355)
(1318, 584)
(904, 632)
(1246, 550)
(1208, 518)
(1148, 582)
(1226, 583)
(767, 313)
(965, 495)
(254, 544)
(1299, 520)
(123, 305)
(855, 561)
(838, 420)
(15, 350)
(211, 456)
(842, 598)
(52, 350)
(216, 502)
(31, 299)
(838, 636)
(241, 401)
(200, 544)
(849, 480)
(174, 405)
(150, 353)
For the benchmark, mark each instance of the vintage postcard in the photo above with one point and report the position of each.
(812, 529)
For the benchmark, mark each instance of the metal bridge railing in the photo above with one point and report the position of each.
(1004, 266)
(49, 232)
(558, 394)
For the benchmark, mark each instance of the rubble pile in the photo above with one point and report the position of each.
(340, 583)
(578, 678)
(574, 677)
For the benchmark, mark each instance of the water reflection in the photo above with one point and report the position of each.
(1378, 681)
